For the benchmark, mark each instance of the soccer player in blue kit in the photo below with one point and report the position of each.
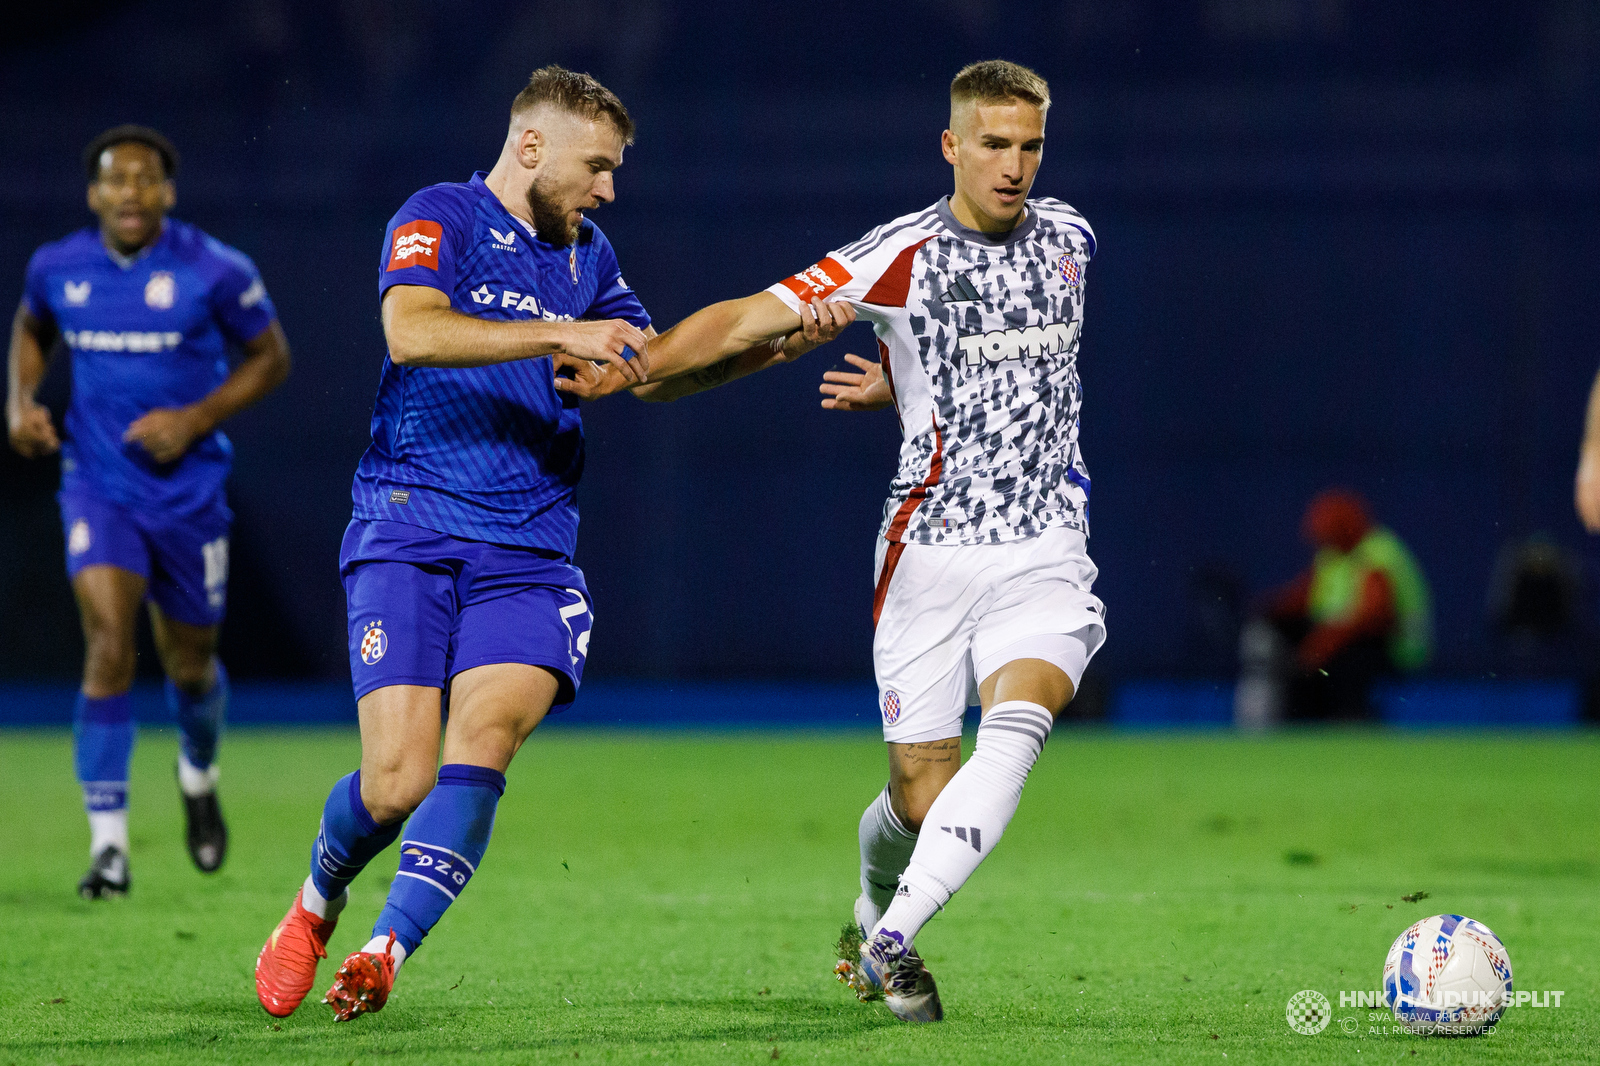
(148, 306)
(457, 563)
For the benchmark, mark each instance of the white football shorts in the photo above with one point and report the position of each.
(948, 616)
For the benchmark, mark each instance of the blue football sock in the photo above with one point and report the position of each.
(348, 838)
(102, 734)
(444, 842)
(200, 719)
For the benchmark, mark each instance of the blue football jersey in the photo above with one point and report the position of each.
(147, 332)
(489, 453)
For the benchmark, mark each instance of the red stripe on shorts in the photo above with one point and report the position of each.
(891, 559)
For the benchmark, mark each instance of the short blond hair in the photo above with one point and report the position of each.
(578, 94)
(995, 81)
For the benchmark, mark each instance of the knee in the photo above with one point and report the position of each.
(108, 649)
(391, 793)
(188, 656)
(190, 670)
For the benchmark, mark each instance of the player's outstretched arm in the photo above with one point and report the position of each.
(28, 422)
(167, 432)
(819, 323)
(722, 342)
(1587, 489)
(423, 330)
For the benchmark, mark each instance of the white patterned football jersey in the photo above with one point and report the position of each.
(978, 337)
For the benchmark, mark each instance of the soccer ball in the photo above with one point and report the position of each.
(1447, 975)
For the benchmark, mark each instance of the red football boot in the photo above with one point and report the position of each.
(287, 966)
(363, 983)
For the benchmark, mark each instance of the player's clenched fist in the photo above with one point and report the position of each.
(584, 380)
(605, 342)
(31, 431)
(165, 433)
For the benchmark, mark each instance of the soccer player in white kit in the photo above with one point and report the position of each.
(983, 591)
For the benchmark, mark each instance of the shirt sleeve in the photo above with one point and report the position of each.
(871, 281)
(239, 299)
(833, 278)
(35, 292)
(613, 298)
(421, 245)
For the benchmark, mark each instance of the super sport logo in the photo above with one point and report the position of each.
(818, 282)
(416, 244)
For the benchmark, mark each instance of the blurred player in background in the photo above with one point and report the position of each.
(461, 590)
(1361, 610)
(983, 578)
(148, 307)
(1587, 488)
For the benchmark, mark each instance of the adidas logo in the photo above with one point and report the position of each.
(972, 835)
(960, 291)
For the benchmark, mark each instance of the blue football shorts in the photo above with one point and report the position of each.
(182, 557)
(424, 606)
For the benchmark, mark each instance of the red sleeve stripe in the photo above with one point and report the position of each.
(902, 517)
(894, 284)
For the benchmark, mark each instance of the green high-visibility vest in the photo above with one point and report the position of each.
(1336, 580)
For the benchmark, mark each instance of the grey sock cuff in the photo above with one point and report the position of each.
(1028, 719)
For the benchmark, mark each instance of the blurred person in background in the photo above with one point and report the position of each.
(149, 307)
(1587, 489)
(1361, 610)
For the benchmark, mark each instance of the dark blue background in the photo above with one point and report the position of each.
(1341, 241)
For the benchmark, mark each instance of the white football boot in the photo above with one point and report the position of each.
(907, 986)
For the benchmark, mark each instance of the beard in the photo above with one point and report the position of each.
(549, 218)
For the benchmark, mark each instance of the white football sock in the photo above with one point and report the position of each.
(108, 828)
(326, 909)
(965, 822)
(194, 781)
(378, 944)
(886, 847)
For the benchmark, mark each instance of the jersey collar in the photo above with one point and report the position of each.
(967, 233)
(127, 262)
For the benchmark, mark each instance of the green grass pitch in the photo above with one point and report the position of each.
(673, 897)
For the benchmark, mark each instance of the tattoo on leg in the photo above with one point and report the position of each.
(938, 751)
